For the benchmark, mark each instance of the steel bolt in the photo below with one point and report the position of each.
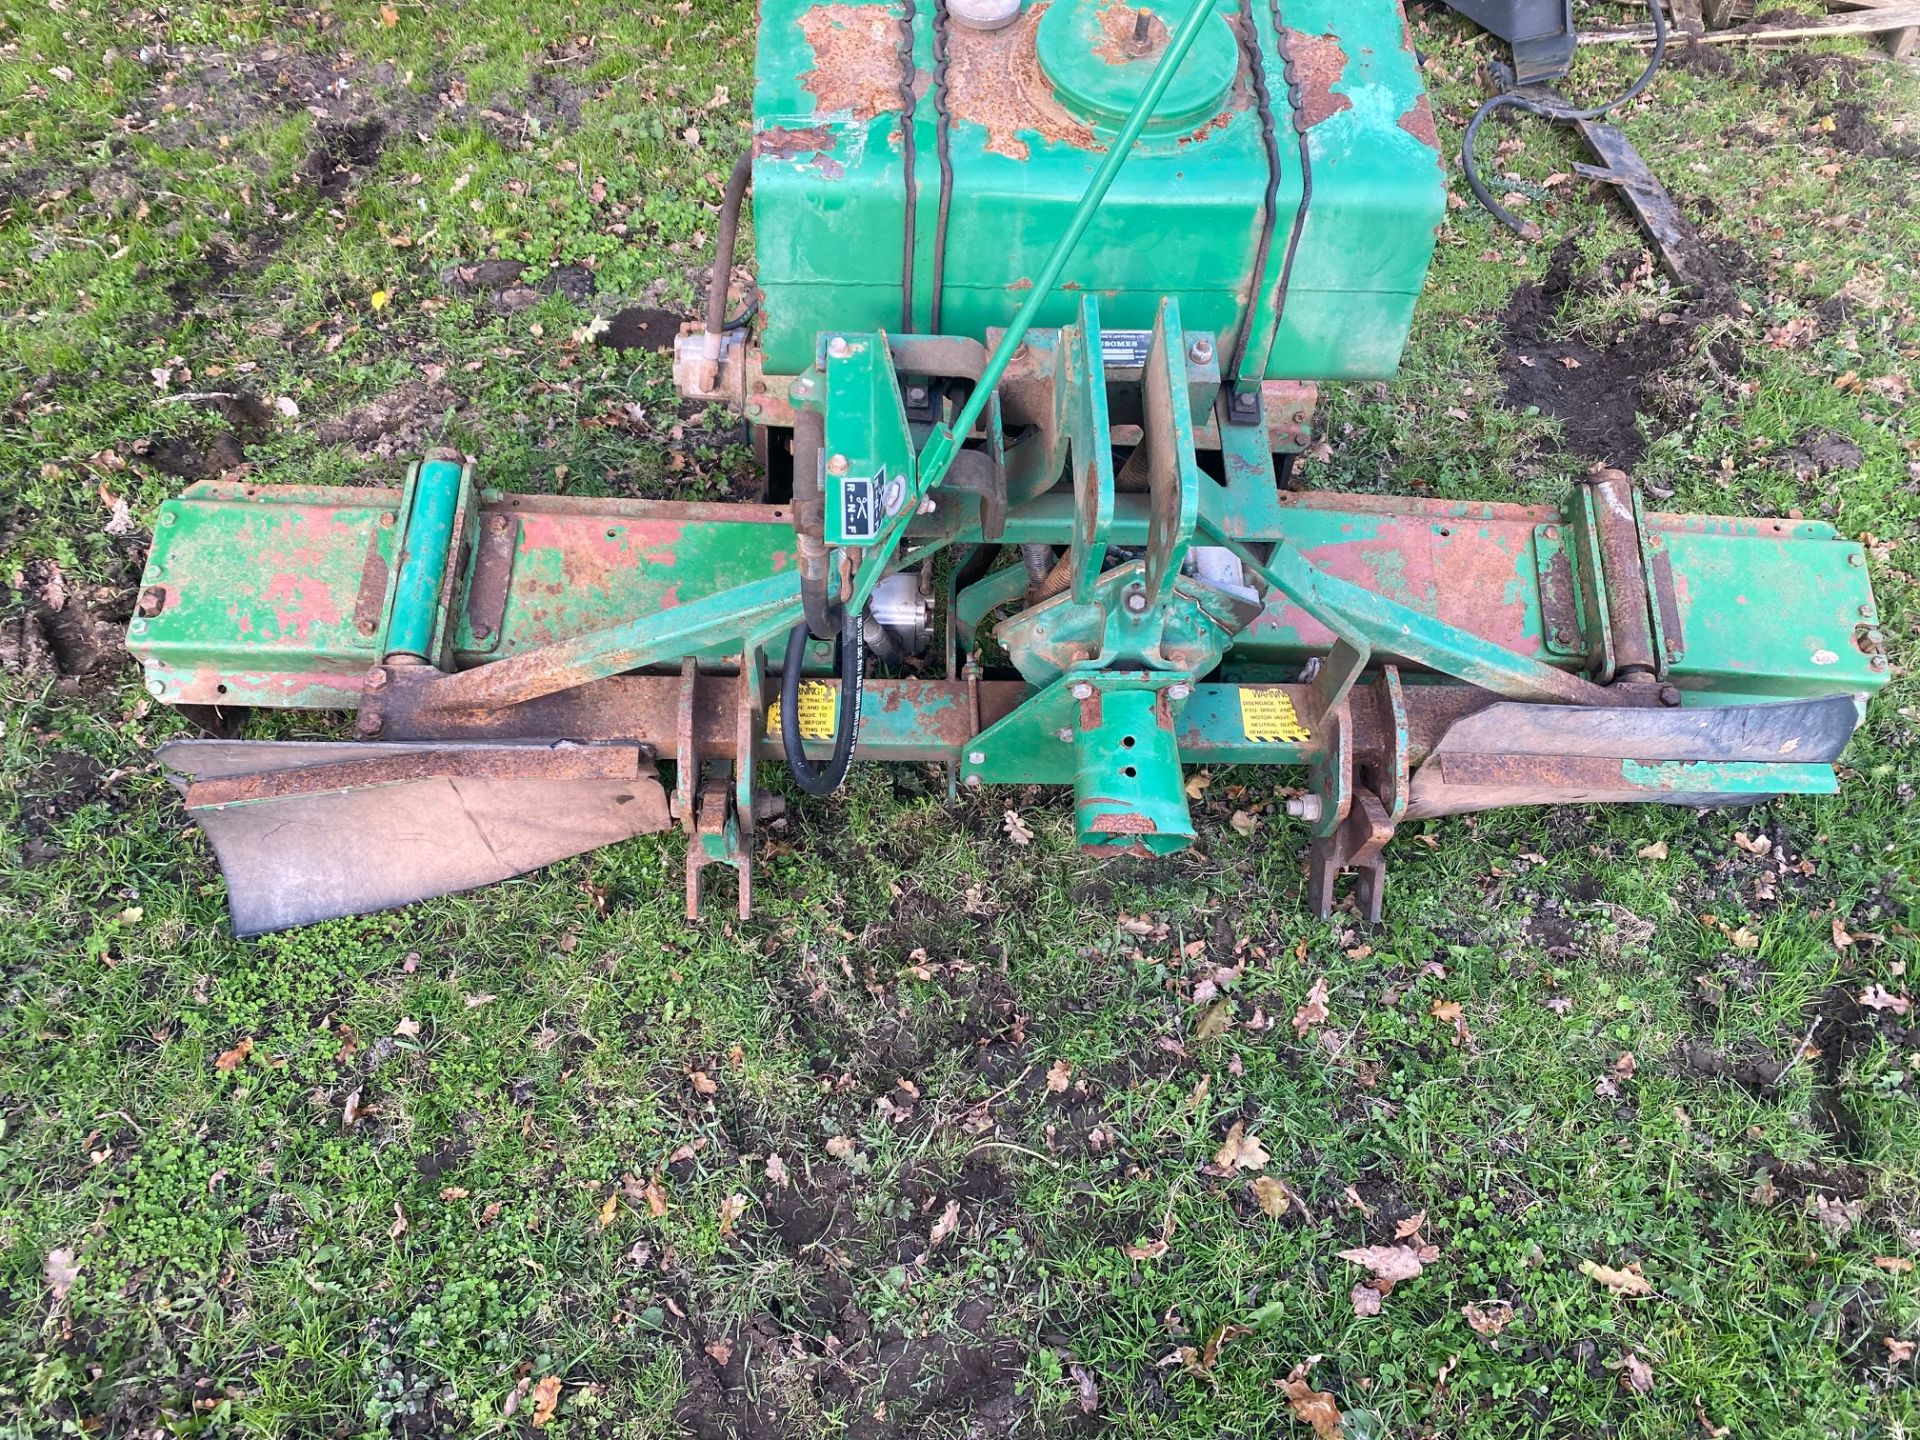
(482, 632)
(927, 506)
(167, 517)
(1857, 560)
(376, 679)
(157, 687)
(499, 524)
(803, 386)
(1136, 602)
(973, 782)
(916, 394)
(1179, 690)
(1562, 635)
(1082, 690)
(388, 520)
(153, 600)
(365, 627)
(837, 465)
(1550, 532)
(838, 348)
(1669, 696)
(1305, 807)
(1201, 352)
(369, 724)
(1874, 662)
(1866, 612)
(1063, 735)
(138, 627)
(977, 757)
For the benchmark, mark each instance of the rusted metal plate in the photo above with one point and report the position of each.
(400, 765)
(300, 857)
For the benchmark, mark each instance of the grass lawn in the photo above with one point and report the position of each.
(959, 1136)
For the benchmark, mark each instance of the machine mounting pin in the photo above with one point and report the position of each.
(837, 465)
(838, 348)
(1082, 690)
(1201, 352)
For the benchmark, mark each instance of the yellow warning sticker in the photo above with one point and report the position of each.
(819, 706)
(1268, 717)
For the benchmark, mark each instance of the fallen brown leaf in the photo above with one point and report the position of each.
(1410, 1225)
(1390, 1264)
(231, 1060)
(1310, 1406)
(1628, 1282)
(1314, 1011)
(546, 1399)
(1241, 1151)
(1365, 1300)
(943, 1227)
(62, 1269)
(1488, 1317)
(1273, 1195)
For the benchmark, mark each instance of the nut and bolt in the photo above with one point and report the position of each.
(803, 386)
(388, 519)
(482, 632)
(837, 465)
(1136, 602)
(973, 782)
(1082, 690)
(1857, 560)
(156, 687)
(927, 506)
(838, 348)
(1866, 612)
(977, 757)
(1550, 532)
(153, 600)
(1201, 352)
(1562, 635)
(1669, 695)
(167, 517)
(138, 627)
(364, 627)
(1063, 735)
(1179, 690)
(1305, 807)
(376, 679)
(369, 724)
(1874, 662)
(916, 394)
(500, 524)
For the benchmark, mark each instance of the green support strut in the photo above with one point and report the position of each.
(437, 485)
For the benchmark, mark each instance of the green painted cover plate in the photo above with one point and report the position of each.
(1098, 58)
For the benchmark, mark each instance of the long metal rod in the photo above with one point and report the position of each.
(947, 439)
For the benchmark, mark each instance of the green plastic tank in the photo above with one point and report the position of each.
(843, 115)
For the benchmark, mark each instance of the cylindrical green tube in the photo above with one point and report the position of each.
(426, 547)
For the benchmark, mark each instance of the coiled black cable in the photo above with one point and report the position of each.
(822, 779)
(1554, 108)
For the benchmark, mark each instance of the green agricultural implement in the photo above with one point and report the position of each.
(1045, 293)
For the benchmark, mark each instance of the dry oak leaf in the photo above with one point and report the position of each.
(61, 1270)
(546, 1399)
(1656, 851)
(1059, 1075)
(1628, 1282)
(1366, 1300)
(1314, 1011)
(1390, 1264)
(1241, 1151)
(720, 1350)
(840, 1147)
(1410, 1225)
(1636, 1374)
(1898, 1351)
(1273, 1195)
(731, 1209)
(1878, 997)
(1151, 1250)
(1310, 1406)
(943, 1227)
(609, 1208)
(1488, 1317)
(1017, 829)
(1894, 1264)
(231, 1060)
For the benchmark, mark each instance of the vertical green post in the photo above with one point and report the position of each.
(1128, 788)
(426, 550)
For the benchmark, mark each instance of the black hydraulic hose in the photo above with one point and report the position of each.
(1551, 107)
(730, 201)
(822, 779)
